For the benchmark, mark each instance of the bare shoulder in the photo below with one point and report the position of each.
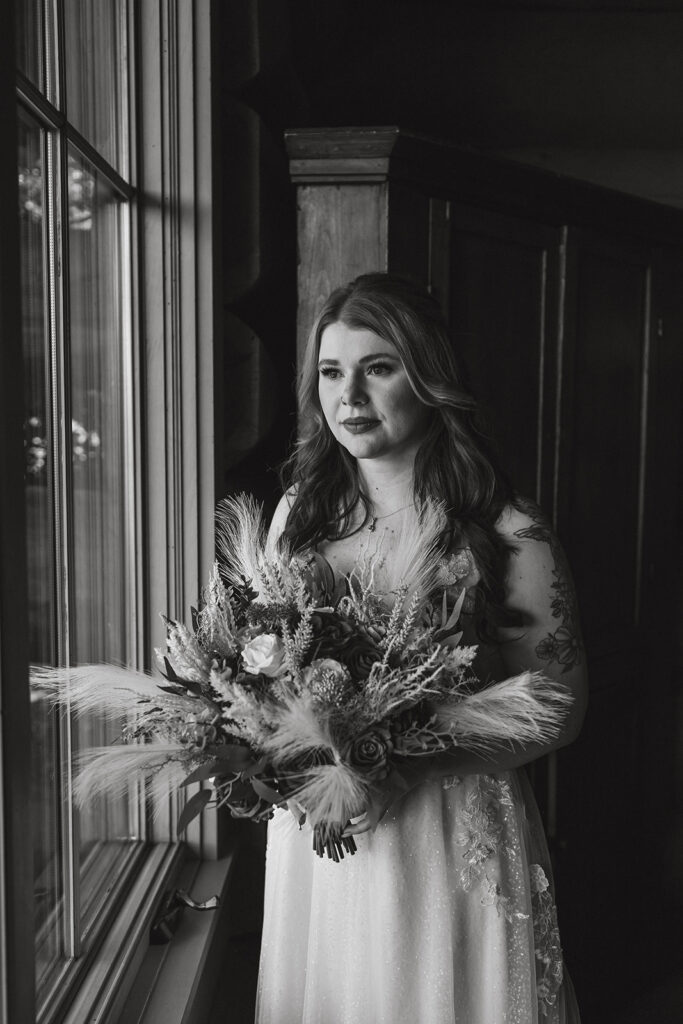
(279, 520)
(536, 554)
(525, 521)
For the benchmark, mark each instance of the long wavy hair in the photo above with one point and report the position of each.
(455, 462)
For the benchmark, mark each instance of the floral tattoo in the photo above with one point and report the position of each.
(564, 645)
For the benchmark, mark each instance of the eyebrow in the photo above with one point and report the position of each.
(365, 359)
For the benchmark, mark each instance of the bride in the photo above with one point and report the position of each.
(446, 914)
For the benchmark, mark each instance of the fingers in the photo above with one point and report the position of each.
(360, 824)
(298, 812)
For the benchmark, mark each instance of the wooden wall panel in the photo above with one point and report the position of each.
(342, 233)
(612, 405)
(503, 302)
(603, 464)
(408, 232)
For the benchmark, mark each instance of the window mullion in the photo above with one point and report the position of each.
(97, 160)
(41, 108)
(132, 527)
(52, 119)
(54, 41)
(57, 256)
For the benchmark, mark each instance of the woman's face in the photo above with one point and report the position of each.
(366, 396)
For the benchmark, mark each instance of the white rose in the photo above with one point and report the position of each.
(264, 654)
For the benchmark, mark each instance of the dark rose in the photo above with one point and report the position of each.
(336, 637)
(360, 658)
(370, 753)
(331, 628)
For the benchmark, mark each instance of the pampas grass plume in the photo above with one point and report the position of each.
(299, 728)
(528, 708)
(108, 771)
(107, 690)
(332, 793)
(241, 539)
(417, 553)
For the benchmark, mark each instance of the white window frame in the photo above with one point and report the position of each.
(173, 235)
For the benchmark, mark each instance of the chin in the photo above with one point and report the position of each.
(365, 448)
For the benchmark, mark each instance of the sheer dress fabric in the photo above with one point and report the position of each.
(445, 915)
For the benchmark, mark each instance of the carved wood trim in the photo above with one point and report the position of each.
(441, 168)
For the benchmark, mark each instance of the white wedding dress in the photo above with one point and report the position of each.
(445, 915)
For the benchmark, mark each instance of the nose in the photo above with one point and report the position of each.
(353, 393)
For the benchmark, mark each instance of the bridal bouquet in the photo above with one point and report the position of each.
(296, 687)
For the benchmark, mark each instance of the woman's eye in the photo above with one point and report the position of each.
(329, 372)
(379, 368)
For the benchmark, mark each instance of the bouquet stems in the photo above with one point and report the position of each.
(328, 839)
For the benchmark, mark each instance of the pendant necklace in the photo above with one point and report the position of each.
(375, 519)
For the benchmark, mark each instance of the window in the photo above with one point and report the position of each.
(78, 329)
(117, 336)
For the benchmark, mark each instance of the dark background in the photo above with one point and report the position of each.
(590, 90)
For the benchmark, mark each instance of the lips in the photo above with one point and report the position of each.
(359, 425)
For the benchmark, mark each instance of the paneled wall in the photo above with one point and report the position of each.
(563, 304)
(255, 219)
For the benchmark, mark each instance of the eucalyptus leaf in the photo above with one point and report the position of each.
(255, 768)
(206, 771)
(177, 691)
(264, 791)
(170, 672)
(194, 806)
(455, 613)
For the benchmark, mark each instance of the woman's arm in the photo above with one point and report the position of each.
(540, 591)
(548, 640)
(279, 520)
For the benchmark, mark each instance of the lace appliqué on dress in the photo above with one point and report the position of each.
(547, 946)
(458, 567)
(457, 572)
(480, 832)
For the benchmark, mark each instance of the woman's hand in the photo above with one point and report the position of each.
(298, 812)
(409, 774)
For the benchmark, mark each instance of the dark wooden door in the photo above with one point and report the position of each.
(562, 337)
(503, 301)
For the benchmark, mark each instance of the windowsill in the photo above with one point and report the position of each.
(175, 982)
(129, 981)
(123, 947)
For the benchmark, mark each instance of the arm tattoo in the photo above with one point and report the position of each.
(564, 645)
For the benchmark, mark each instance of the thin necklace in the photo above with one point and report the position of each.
(375, 519)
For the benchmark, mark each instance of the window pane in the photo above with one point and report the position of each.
(99, 481)
(35, 44)
(29, 40)
(94, 45)
(39, 489)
